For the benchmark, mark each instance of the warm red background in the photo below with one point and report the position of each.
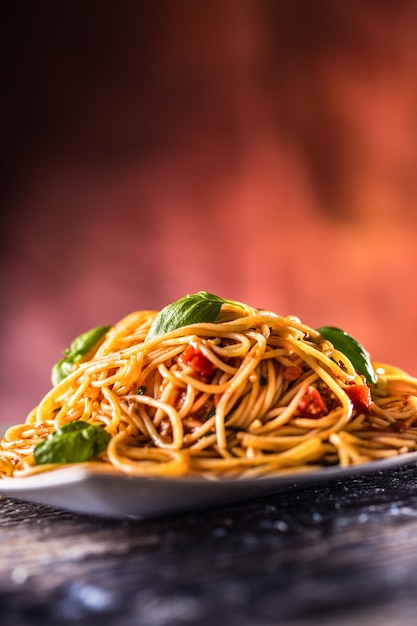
(262, 150)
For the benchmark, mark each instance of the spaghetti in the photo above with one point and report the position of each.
(248, 395)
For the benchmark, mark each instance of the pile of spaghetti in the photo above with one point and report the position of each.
(249, 394)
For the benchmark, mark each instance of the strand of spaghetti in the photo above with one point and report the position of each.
(248, 365)
(410, 421)
(398, 408)
(123, 379)
(397, 440)
(381, 412)
(23, 431)
(175, 420)
(116, 413)
(187, 402)
(274, 442)
(168, 396)
(344, 452)
(209, 354)
(57, 393)
(399, 384)
(198, 433)
(199, 401)
(305, 348)
(134, 419)
(146, 461)
(325, 423)
(273, 384)
(333, 386)
(11, 457)
(308, 377)
(241, 324)
(247, 407)
(327, 364)
(158, 360)
(132, 328)
(74, 403)
(6, 467)
(91, 466)
(201, 386)
(272, 470)
(206, 441)
(306, 451)
(169, 374)
(262, 395)
(286, 414)
(240, 348)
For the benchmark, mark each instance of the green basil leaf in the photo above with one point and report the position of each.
(351, 348)
(61, 370)
(75, 442)
(193, 309)
(80, 346)
(85, 342)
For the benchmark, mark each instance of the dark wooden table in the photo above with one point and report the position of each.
(338, 554)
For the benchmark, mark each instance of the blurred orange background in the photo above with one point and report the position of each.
(261, 150)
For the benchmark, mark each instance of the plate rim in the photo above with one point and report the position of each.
(74, 473)
(81, 489)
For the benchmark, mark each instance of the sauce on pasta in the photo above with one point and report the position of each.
(251, 394)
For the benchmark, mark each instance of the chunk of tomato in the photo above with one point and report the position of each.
(360, 396)
(311, 404)
(193, 357)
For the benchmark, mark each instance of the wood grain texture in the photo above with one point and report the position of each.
(342, 553)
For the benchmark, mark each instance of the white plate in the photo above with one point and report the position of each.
(80, 490)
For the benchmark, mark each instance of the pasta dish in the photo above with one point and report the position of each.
(231, 392)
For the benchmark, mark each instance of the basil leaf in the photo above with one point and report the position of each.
(80, 346)
(61, 370)
(85, 342)
(192, 309)
(75, 442)
(351, 348)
